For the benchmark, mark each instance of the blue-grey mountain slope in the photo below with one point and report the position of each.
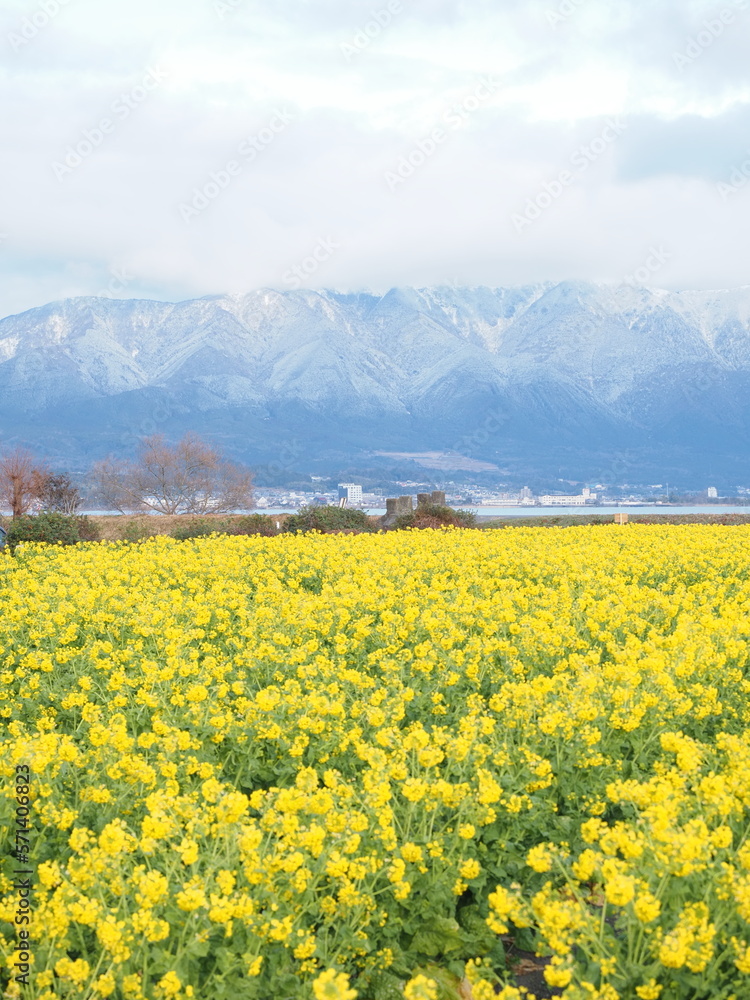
(572, 378)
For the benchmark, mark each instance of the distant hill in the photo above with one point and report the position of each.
(573, 379)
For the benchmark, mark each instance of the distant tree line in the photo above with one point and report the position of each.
(191, 477)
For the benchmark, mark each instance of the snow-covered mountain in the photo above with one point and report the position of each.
(571, 376)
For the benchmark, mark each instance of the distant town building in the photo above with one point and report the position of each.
(580, 500)
(503, 500)
(562, 501)
(351, 493)
(712, 493)
(526, 494)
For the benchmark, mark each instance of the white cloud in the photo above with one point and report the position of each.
(354, 118)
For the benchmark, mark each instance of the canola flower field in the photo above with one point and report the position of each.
(339, 767)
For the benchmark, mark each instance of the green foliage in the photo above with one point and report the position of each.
(53, 528)
(377, 984)
(437, 936)
(88, 529)
(194, 529)
(478, 936)
(255, 524)
(137, 530)
(252, 524)
(328, 520)
(434, 515)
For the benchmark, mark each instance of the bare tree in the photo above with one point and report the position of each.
(58, 492)
(21, 479)
(108, 486)
(188, 478)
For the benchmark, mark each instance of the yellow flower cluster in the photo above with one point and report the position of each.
(316, 766)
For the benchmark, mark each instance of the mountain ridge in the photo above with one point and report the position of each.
(575, 372)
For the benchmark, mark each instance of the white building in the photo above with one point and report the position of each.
(712, 493)
(352, 493)
(562, 501)
(568, 501)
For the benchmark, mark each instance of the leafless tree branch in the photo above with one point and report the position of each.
(21, 481)
(188, 478)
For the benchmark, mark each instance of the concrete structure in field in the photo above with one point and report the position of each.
(397, 506)
(437, 498)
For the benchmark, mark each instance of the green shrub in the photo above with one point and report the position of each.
(255, 524)
(137, 530)
(196, 529)
(328, 520)
(252, 524)
(88, 529)
(53, 528)
(433, 515)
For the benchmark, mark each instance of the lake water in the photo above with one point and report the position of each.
(604, 510)
(581, 511)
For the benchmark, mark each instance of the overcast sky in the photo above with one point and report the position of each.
(178, 148)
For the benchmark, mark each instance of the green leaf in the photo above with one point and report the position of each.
(496, 954)
(477, 934)
(438, 936)
(525, 939)
(198, 949)
(380, 985)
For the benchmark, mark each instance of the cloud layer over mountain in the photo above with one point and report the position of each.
(362, 86)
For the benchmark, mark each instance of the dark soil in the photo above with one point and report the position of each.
(528, 971)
